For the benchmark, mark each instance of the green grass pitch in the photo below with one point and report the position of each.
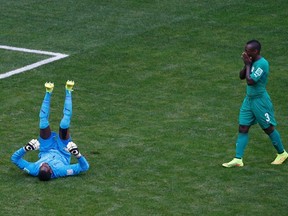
(156, 104)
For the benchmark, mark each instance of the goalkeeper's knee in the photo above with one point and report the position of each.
(65, 122)
(44, 123)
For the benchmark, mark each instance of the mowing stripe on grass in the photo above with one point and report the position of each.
(55, 57)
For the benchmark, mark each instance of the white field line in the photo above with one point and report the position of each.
(55, 57)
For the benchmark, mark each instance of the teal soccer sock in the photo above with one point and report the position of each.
(67, 111)
(45, 111)
(276, 141)
(241, 144)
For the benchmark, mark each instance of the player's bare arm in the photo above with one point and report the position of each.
(242, 73)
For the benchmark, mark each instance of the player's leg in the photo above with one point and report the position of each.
(67, 112)
(246, 119)
(275, 138)
(242, 141)
(267, 121)
(45, 130)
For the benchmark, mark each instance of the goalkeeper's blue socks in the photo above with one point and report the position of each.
(241, 144)
(45, 107)
(276, 141)
(67, 110)
(45, 111)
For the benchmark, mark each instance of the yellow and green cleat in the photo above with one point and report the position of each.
(234, 163)
(280, 158)
(69, 85)
(49, 87)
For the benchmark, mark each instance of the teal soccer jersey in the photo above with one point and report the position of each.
(259, 73)
(257, 106)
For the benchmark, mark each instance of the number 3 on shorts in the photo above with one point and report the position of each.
(267, 117)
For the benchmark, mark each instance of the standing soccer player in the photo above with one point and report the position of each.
(257, 106)
(55, 149)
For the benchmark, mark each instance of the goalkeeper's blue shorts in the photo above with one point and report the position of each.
(54, 142)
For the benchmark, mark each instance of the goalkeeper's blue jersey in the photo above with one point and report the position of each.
(59, 163)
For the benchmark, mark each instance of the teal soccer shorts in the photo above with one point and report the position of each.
(257, 110)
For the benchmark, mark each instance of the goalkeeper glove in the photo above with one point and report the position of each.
(32, 145)
(73, 149)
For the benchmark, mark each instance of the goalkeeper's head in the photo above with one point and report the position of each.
(45, 172)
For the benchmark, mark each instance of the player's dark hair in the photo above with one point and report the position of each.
(44, 175)
(256, 44)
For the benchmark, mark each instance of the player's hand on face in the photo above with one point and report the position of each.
(246, 58)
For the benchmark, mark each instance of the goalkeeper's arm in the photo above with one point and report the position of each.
(28, 167)
(73, 169)
(17, 159)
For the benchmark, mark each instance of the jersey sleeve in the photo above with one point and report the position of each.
(28, 167)
(260, 70)
(73, 169)
(257, 73)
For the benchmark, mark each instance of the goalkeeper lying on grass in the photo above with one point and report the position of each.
(55, 149)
